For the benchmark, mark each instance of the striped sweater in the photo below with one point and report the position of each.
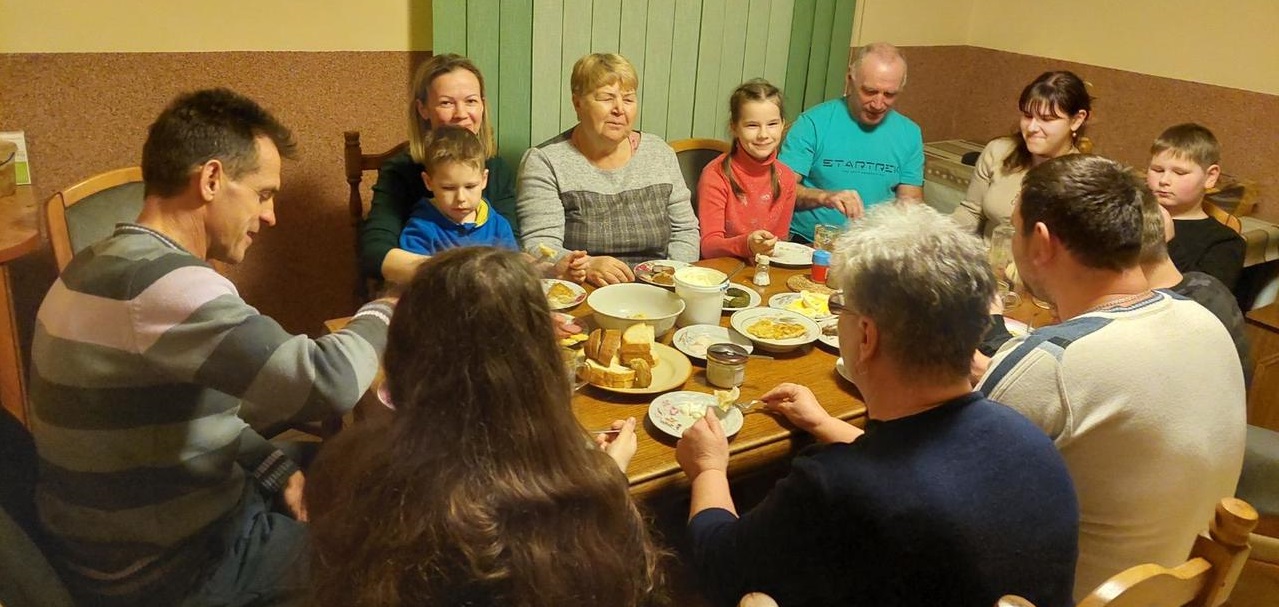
(145, 362)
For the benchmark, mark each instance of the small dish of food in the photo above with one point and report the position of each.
(775, 330)
(660, 272)
(694, 339)
(674, 412)
(830, 333)
(740, 297)
(811, 304)
(562, 294)
(792, 255)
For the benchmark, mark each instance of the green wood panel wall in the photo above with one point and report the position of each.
(655, 88)
(548, 88)
(448, 32)
(684, 62)
(515, 67)
(689, 55)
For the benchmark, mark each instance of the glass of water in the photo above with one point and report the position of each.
(1001, 262)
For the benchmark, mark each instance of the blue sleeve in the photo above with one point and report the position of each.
(912, 166)
(800, 146)
(776, 548)
(415, 238)
(505, 236)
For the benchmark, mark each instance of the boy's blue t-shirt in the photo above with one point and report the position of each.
(834, 152)
(428, 231)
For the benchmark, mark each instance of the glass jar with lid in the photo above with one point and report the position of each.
(726, 365)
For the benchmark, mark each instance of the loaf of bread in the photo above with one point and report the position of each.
(637, 343)
(609, 376)
(643, 372)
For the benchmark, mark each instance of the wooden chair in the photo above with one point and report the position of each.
(1205, 580)
(1230, 221)
(356, 163)
(88, 211)
(693, 156)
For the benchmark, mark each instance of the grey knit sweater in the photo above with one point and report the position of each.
(637, 212)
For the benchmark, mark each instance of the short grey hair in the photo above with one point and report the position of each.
(880, 50)
(925, 282)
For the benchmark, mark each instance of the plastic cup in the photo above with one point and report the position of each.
(702, 290)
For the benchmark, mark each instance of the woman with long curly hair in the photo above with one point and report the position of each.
(482, 489)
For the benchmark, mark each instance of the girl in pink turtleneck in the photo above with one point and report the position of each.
(746, 197)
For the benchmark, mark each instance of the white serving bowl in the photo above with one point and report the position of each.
(622, 305)
(743, 319)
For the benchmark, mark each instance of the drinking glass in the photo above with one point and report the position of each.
(1001, 262)
(824, 236)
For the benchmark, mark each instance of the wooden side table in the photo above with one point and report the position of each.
(1263, 396)
(19, 235)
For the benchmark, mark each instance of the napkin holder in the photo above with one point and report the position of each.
(8, 168)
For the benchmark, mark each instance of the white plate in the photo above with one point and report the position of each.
(644, 269)
(671, 371)
(578, 292)
(829, 340)
(755, 299)
(792, 254)
(843, 371)
(781, 300)
(673, 413)
(745, 318)
(694, 339)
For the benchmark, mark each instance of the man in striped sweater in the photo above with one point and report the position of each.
(146, 361)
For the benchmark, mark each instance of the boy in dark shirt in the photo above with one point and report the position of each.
(1183, 164)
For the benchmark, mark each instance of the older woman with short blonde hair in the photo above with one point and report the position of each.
(601, 187)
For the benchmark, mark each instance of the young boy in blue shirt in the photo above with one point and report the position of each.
(1183, 164)
(457, 215)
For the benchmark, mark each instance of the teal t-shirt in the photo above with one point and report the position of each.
(831, 151)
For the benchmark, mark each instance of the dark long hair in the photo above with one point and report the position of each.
(483, 489)
(1051, 92)
(756, 89)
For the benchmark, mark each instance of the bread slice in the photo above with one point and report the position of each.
(593, 344)
(609, 345)
(637, 343)
(643, 372)
(610, 376)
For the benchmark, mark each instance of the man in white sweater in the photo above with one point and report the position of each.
(1140, 390)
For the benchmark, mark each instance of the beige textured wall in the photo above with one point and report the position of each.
(124, 26)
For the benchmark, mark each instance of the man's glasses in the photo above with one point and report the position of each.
(836, 303)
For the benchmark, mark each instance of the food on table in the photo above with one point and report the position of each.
(573, 340)
(736, 298)
(544, 252)
(774, 328)
(560, 295)
(637, 316)
(810, 304)
(725, 399)
(831, 329)
(607, 348)
(662, 274)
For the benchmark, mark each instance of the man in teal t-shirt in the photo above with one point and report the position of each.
(855, 151)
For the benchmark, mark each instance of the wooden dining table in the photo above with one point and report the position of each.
(765, 440)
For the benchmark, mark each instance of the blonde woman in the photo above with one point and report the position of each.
(447, 90)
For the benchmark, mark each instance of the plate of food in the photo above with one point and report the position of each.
(562, 294)
(674, 412)
(740, 297)
(660, 272)
(775, 330)
(694, 339)
(631, 362)
(811, 304)
(792, 254)
(1016, 327)
(830, 333)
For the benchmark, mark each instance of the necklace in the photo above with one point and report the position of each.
(1115, 303)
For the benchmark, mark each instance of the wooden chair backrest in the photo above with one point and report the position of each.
(1230, 221)
(126, 182)
(357, 163)
(1205, 580)
(693, 156)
